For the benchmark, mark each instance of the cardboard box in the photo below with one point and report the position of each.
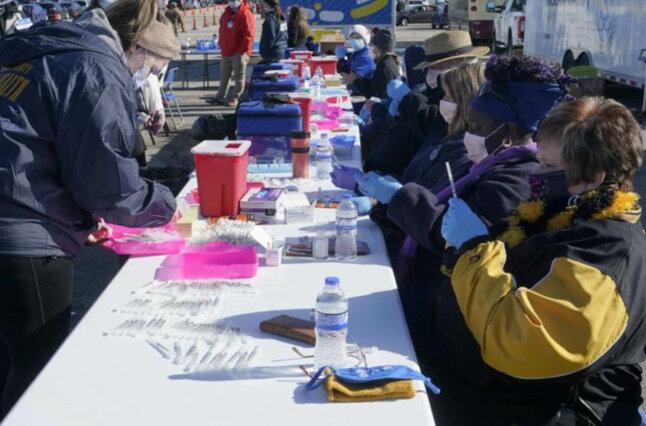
(265, 204)
(298, 208)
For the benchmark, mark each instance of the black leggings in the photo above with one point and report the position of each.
(35, 301)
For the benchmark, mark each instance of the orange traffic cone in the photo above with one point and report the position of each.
(206, 23)
(194, 23)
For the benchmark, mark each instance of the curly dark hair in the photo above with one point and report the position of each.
(506, 69)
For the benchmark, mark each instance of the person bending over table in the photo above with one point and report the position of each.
(66, 138)
(546, 323)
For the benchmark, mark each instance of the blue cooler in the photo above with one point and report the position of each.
(259, 70)
(265, 86)
(268, 126)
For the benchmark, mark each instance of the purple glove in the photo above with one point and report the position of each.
(154, 123)
(345, 177)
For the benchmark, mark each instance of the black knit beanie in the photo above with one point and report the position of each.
(384, 40)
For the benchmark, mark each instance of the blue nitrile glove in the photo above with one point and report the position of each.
(379, 187)
(460, 224)
(345, 177)
(364, 205)
(396, 90)
(340, 52)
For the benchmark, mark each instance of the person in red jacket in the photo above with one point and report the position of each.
(237, 31)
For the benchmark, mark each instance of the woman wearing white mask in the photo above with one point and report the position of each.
(68, 131)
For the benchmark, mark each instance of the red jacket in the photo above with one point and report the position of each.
(237, 30)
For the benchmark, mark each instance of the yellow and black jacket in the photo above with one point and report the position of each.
(559, 318)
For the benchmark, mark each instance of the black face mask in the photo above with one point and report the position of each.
(552, 187)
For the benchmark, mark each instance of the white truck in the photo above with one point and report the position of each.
(609, 35)
(509, 24)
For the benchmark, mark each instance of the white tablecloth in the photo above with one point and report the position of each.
(96, 380)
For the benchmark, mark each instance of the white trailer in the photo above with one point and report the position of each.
(607, 34)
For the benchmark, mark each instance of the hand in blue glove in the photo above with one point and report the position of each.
(340, 52)
(379, 187)
(345, 177)
(396, 90)
(364, 205)
(460, 224)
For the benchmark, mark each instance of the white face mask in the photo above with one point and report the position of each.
(141, 75)
(476, 145)
(431, 77)
(448, 110)
(234, 4)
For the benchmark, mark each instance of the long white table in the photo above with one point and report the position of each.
(96, 380)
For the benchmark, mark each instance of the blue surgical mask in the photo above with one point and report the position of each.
(369, 374)
(356, 44)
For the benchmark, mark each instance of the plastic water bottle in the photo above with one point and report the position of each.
(324, 154)
(345, 247)
(331, 325)
(307, 76)
(319, 74)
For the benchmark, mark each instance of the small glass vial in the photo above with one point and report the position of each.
(274, 254)
(320, 245)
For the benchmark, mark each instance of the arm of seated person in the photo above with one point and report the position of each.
(559, 327)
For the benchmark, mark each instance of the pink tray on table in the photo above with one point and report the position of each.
(140, 248)
(213, 260)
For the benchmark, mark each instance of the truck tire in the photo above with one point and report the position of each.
(568, 61)
(583, 59)
(403, 22)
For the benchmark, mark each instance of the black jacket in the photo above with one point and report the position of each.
(418, 118)
(492, 196)
(273, 40)
(295, 37)
(386, 69)
(567, 325)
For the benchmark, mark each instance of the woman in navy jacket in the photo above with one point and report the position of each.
(273, 40)
(67, 132)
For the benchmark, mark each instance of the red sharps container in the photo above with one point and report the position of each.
(221, 168)
(300, 142)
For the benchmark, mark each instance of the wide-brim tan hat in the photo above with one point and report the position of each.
(449, 45)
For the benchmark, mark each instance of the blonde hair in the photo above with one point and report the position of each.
(462, 83)
(131, 19)
(596, 135)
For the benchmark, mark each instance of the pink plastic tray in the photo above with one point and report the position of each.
(138, 248)
(215, 260)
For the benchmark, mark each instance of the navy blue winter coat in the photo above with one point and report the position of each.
(67, 130)
(273, 40)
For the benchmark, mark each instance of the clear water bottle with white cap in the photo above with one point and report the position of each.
(331, 325)
(345, 247)
(324, 155)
